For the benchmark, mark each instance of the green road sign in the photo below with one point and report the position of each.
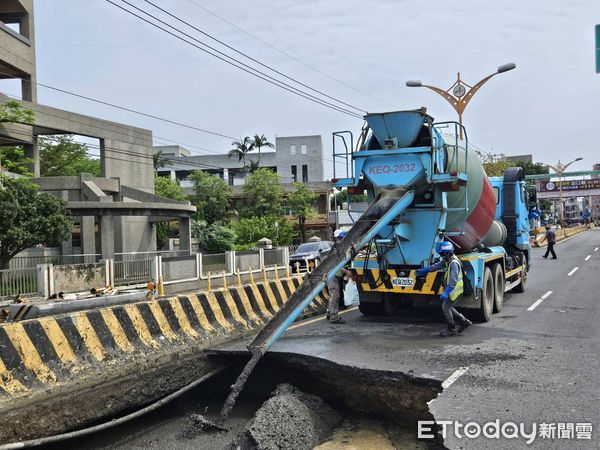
(597, 48)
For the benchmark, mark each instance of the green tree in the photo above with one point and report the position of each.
(260, 142)
(158, 160)
(252, 167)
(301, 203)
(12, 111)
(212, 196)
(250, 230)
(62, 156)
(241, 149)
(213, 238)
(29, 217)
(13, 159)
(497, 168)
(167, 188)
(263, 193)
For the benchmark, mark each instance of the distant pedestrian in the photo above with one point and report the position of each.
(550, 237)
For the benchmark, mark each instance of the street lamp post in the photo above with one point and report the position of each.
(560, 169)
(460, 96)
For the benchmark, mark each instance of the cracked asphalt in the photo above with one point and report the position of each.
(537, 366)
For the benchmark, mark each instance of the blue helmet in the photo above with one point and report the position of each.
(342, 234)
(445, 247)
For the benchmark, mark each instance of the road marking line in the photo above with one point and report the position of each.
(596, 249)
(573, 271)
(308, 322)
(540, 300)
(588, 257)
(455, 376)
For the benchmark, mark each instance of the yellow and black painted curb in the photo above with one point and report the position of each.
(39, 353)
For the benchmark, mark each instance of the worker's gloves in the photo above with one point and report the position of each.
(446, 294)
(421, 272)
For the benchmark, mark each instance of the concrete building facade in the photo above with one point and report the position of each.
(125, 151)
(295, 159)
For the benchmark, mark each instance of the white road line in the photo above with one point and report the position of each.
(596, 249)
(455, 376)
(573, 271)
(540, 300)
(308, 322)
(588, 257)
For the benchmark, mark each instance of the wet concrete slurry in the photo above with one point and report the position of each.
(523, 366)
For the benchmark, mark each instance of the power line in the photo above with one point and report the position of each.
(283, 52)
(123, 108)
(238, 64)
(249, 57)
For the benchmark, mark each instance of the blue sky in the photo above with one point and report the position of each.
(548, 106)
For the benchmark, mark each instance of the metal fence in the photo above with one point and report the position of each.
(214, 263)
(31, 262)
(245, 260)
(274, 257)
(133, 271)
(18, 281)
(141, 256)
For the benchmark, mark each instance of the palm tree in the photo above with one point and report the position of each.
(241, 148)
(252, 167)
(261, 141)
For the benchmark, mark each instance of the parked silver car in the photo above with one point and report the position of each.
(309, 253)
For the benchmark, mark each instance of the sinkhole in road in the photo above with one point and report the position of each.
(290, 401)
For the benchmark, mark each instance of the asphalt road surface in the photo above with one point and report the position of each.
(536, 363)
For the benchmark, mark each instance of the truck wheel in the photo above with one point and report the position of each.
(487, 297)
(372, 309)
(499, 284)
(520, 288)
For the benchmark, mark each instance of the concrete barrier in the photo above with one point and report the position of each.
(51, 368)
(561, 234)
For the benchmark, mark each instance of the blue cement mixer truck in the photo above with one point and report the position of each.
(452, 199)
(424, 187)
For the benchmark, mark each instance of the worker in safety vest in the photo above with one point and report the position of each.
(453, 287)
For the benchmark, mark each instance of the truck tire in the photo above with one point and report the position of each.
(520, 288)
(499, 284)
(487, 297)
(372, 309)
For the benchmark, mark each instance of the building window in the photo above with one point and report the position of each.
(304, 173)
(294, 174)
(303, 149)
(292, 149)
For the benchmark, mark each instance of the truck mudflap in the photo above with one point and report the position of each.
(400, 281)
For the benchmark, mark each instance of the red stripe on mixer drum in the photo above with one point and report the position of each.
(479, 221)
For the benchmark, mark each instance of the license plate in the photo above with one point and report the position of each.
(403, 281)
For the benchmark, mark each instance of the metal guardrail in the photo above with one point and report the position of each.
(18, 281)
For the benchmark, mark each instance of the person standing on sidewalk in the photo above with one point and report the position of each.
(550, 237)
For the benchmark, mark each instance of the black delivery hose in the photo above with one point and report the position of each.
(114, 422)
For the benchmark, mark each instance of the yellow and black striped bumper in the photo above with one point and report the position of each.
(375, 280)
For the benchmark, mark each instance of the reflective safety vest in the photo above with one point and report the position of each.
(458, 287)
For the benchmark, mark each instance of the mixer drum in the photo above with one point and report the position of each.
(481, 200)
